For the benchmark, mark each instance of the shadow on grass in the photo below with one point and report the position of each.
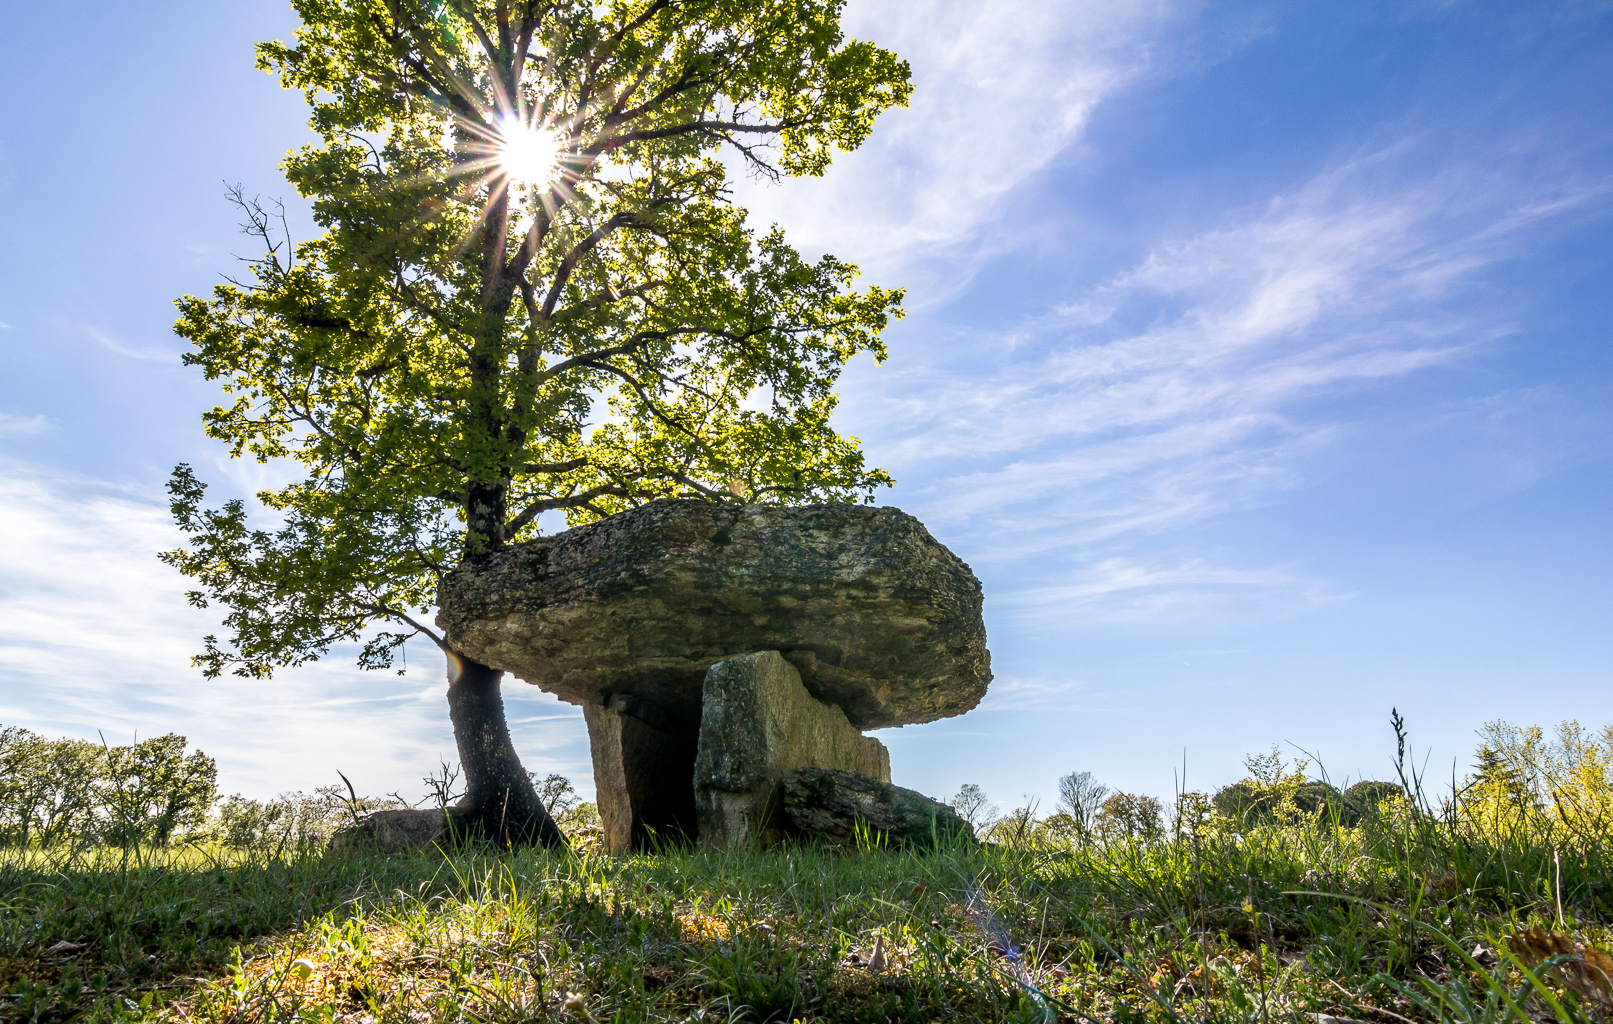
(86, 928)
(1242, 925)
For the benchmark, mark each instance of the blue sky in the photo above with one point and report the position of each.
(1257, 360)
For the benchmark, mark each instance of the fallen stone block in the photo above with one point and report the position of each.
(401, 831)
(830, 805)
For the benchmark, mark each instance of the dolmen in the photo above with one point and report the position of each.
(719, 650)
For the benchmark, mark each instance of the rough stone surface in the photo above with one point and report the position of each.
(757, 722)
(642, 778)
(877, 616)
(828, 804)
(399, 831)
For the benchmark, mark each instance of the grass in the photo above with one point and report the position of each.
(1400, 918)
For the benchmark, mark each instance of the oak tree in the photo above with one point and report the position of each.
(532, 292)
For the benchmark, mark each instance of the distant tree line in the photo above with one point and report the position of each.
(1557, 788)
(155, 793)
(57, 790)
(1088, 811)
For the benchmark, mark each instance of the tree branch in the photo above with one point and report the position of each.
(607, 48)
(708, 492)
(638, 340)
(650, 134)
(530, 20)
(537, 508)
(494, 54)
(381, 609)
(451, 94)
(569, 262)
(606, 298)
(555, 467)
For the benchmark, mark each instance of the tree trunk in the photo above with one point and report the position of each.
(499, 802)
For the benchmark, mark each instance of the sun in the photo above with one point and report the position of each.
(527, 154)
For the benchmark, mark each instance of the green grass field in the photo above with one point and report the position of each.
(1405, 917)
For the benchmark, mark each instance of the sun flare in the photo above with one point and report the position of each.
(528, 154)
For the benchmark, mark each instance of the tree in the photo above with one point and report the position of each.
(67, 790)
(1192, 815)
(557, 794)
(151, 789)
(1081, 797)
(47, 787)
(1132, 816)
(531, 293)
(975, 807)
(1250, 802)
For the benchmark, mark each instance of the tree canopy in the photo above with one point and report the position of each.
(532, 292)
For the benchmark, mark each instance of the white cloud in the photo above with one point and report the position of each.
(1000, 90)
(1176, 389)
(1060, 452)
(149, 355)
(13, 426)
(1120, 589)
(95, 635)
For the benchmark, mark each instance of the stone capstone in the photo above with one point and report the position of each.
(630, 612)
(830, 804)
(757, 722)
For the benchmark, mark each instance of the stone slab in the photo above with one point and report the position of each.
(876, 615)
(758, 721)
(398, 831)
(642, 777)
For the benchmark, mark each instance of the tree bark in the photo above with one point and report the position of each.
(500, 802)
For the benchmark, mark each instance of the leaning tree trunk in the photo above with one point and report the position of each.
(500, 802)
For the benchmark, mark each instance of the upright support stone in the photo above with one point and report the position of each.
(757, 722)
(641, 775)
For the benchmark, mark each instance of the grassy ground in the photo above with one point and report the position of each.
(1229, 925)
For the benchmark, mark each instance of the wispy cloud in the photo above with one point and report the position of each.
(1176, 388)
(1000, 90)
(150, 355)
(12, 425)
(1121, 589)
(95, 635)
